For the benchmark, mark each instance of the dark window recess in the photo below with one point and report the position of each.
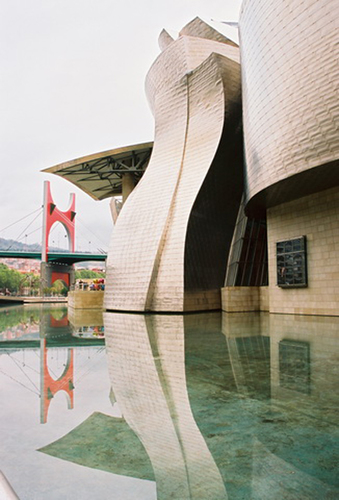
(250, 268)
(291, 263)
(247, 265)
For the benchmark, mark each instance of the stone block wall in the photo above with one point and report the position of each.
(317, 217)
(245, 298)
(240, 298)
(79, 299)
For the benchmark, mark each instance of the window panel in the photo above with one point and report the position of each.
(291, 263)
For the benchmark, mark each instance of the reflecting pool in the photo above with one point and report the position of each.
(202, 406)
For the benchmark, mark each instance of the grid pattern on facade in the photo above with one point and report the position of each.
(291, 263)
(289, 60)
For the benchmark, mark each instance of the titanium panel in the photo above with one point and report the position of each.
(195, 94)
(290, 74)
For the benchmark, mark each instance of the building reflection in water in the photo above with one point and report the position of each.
(86, 322)
(242, 402)
(307, 379)
(146, 357)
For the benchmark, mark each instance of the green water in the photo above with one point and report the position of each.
(207, 406)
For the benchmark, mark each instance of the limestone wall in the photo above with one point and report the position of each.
(245, 298)
(317, 217)
(79, 299)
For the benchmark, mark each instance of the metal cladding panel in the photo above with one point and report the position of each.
(213, 215)
(195, 90)
(290, 73)
(138, 231)
(171, 285)
(181, 57)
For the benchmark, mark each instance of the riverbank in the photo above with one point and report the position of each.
(5, 299)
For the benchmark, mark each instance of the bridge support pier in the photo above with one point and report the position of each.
(53, 271)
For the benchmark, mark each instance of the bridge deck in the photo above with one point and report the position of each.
(64, 257)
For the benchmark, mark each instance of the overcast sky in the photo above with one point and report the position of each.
(72, 84)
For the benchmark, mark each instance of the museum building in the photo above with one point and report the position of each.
(290, 75)
(237, 200)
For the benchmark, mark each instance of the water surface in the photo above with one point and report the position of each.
(202, 406)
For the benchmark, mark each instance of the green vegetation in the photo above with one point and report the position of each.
(15, 282)
(58, 288)
(87, 274)
(11, 317)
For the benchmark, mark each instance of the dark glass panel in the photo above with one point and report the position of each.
(291, 263)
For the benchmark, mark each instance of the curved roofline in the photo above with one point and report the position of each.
(100, 174)
(95, 156)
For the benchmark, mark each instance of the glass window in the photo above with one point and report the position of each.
(291, 263)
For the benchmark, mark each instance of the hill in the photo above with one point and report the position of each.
(18, 245)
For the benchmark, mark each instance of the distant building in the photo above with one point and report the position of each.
(23, 265)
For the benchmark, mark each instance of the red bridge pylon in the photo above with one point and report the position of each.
(53, 271)
(51, 215)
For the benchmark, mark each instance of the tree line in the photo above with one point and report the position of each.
(88, 274)
(12, 281)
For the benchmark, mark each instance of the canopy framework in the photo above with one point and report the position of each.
(101, 174)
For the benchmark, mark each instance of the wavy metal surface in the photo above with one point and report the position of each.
(194, 91)
(290, 74)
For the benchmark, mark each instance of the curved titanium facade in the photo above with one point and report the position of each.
(169, 247)
(290, 74)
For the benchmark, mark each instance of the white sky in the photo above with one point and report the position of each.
(72, 84)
